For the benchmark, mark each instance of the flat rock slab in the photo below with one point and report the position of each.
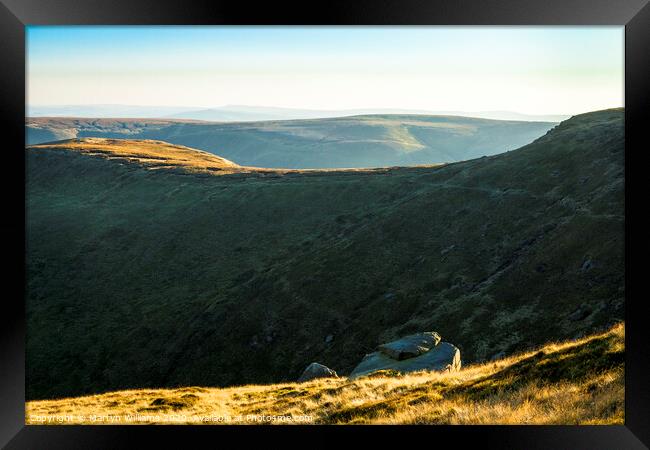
(410, 346)
(443, 357)
(316, 370)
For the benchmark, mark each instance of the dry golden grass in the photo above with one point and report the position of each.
(574, 382)
(153, 154)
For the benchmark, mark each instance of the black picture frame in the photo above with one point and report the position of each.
(16, 14)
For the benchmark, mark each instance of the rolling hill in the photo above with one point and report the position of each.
(355, 142)
(148, 277)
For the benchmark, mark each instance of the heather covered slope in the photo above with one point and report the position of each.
(142, 278)
(356, 141)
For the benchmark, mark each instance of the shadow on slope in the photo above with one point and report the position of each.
(140, 278)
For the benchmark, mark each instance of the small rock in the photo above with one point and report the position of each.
(389, 296)
(316, 370)
(579, 314)
(329, 338)
(444, 251)
(586, 265)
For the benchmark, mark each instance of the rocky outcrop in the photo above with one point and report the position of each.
(315, 370)
(417, 352)
(410, 346)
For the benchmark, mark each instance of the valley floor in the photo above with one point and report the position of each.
(573, 382)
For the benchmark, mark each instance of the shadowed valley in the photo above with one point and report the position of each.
(146, 270)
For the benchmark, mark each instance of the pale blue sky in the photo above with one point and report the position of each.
(534, 70)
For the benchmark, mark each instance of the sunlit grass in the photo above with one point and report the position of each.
(573, 382)
(154, 154)
(147, 152)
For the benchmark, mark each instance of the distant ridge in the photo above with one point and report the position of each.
(255, 113)
(356, 142)
(247, 113)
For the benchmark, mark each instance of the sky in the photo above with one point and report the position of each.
(530, 70)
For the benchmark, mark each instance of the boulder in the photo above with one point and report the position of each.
(315, 370)
(580, 313)
(410, 346)
(443, 357)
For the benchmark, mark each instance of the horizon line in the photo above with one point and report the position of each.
(192, 108)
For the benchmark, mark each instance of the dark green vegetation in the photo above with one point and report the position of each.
(143, 278)
(358, 141)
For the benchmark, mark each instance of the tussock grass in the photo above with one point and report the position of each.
(572, 382)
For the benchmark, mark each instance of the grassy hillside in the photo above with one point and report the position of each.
(168, 158)
(150, 154)
(358, 141)
(144, 278)
(577, 382)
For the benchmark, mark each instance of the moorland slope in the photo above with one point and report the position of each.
(142, 278)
